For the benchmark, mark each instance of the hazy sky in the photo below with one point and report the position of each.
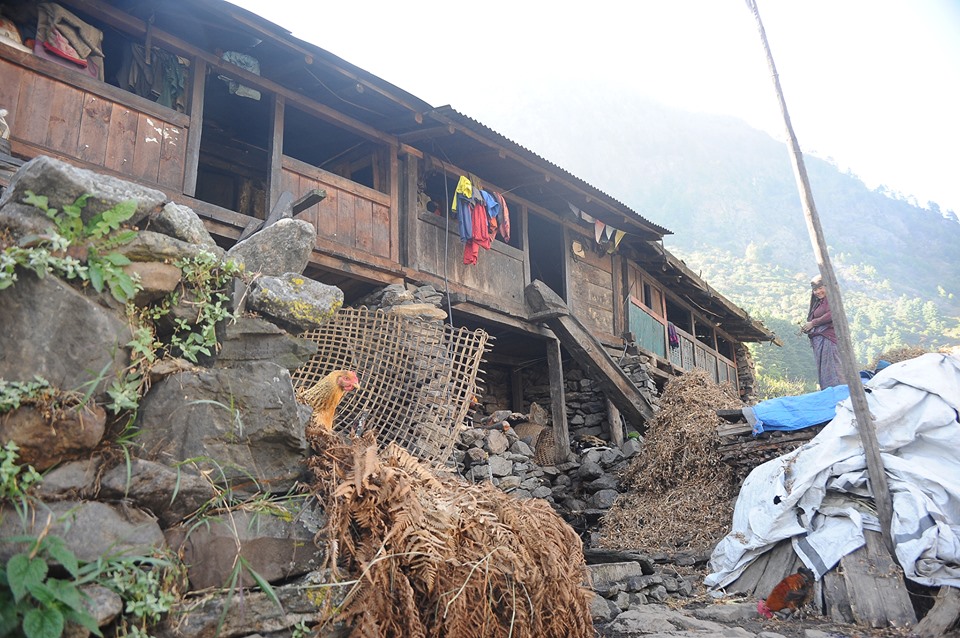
(872, 84)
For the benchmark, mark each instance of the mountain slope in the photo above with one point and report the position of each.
(729, 194)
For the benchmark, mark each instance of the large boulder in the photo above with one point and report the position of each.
(90, 529)
(184, 224)
(49, 434)
(171, 495)
(53, 331)
(294, 302)
(279, 248)
(251, 339)
(241, 425)
(274, 547)
(63, 183)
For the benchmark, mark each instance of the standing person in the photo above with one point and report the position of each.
(823, 338)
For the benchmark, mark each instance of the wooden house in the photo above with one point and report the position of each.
(225, 111)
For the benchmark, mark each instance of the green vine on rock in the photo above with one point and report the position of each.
(78, 250)
(208, 279)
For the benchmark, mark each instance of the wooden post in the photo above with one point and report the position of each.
(864, 421)
(275, 170)
(616, 426)
(558, 402)
(516, 390)
(198, 79)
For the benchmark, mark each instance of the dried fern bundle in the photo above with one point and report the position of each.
(681, 491)
(437, 556)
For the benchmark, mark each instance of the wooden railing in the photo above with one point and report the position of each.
(650, 333)
(352, 215)
(71, 116)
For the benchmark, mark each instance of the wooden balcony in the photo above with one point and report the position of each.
(651, 334)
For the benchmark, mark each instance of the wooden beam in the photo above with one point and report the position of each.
(409, 177)
(394, 192)
(878, 595)
(516, 390)
(590, 354)
(496, 314)
(428, 133)
(943, 616)
(558, 403)
(275, 170)
(615, 428)
(191, 166)
(858, 398)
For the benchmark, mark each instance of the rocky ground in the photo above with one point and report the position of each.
(701, 616)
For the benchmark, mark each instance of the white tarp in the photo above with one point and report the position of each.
(818, 495)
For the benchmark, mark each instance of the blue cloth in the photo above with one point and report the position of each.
(464, 217)
(493, 206)
(796, 413)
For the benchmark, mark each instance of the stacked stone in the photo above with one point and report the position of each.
(585, 402)
(621, 586)
(498, 455)
(580, 489)
(409, 300)
(637, 368)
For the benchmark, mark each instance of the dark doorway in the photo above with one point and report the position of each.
(546, 253)
(234, 147)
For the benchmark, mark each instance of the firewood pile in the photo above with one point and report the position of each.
(739, 449)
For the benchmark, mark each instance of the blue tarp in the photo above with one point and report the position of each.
(796, 413)
(804, 411)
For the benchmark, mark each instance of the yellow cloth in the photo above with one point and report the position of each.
(465, 188)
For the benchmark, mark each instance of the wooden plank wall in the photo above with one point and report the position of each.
(590, 296)
(352, 215)
(498, 273)
(47, 115)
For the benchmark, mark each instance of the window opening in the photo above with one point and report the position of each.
(704, 334)
(334, 149)
(679, 316)
(545, 239)
(234, 157)
(725, 348)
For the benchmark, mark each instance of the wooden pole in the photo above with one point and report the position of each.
(861, 411)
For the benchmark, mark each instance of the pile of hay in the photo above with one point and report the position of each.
(434, 555)
(896, 355)
(680, 494)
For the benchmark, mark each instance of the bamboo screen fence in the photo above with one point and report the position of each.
(417, 378)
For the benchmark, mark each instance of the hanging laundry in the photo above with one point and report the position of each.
(672, 335)
(493, 211)
(481, 235)
(247, 63)
(504, 218)
(163, 79)
(461, 206)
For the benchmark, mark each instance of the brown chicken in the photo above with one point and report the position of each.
(791, 593)
(325, 395)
